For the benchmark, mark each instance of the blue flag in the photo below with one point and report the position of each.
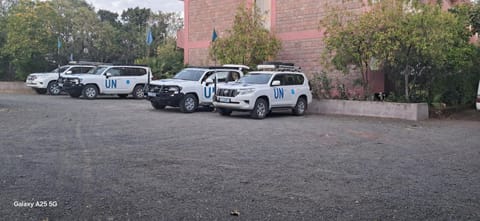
(59, 43)
(214, 35)
(149, 39)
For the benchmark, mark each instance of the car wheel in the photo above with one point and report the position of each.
(224, 112)
(122, 95)
(75, 94)
(90, 92)
(300, 107)
(53, 88)
(157, 105)
(138, 92)
(40, 90)
(189, 103)
(260, 110)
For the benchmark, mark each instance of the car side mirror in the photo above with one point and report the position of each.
(68, 72)
(276, 83)
(209, 81)
(108, 75)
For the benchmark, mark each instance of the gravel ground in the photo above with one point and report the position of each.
(118, 159)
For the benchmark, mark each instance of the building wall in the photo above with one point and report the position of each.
(295, 23)
(201, 17)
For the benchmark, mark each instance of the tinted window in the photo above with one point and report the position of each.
(86, 69)
(97, 70)
(189, 74)
(255, 78)
(61, 69)
(76, 70)
(299, 79)
(281, 78)
(115, 71)
(133, 72)
(289, 79)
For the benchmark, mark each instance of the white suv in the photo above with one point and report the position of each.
(108, 79)
(47, 82)
(283, 87)
(191, 87)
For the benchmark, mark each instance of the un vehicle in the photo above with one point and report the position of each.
(192, 87)
(277, 86)
(120, 80)
(48, 82)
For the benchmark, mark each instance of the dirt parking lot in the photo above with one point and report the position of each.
(114, 159)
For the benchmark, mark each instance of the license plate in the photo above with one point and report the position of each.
(151, 94)
(224, 100)
(60, 84)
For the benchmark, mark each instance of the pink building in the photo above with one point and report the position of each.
(294, 22)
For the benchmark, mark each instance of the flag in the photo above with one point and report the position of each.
(59, 43)
(214, 35)
(149, 39)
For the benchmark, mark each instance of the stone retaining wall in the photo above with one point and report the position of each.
(15, 87)
(406, 111)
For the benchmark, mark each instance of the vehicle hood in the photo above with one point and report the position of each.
(71, 75)
(173, 82)
(44, 74)
(81, 76)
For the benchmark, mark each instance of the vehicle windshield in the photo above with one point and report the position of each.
(60, 69)
(98, 70)
(255, 78)
(189, 74)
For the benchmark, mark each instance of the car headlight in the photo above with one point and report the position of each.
(246, 91)
(174, 90)
(32, 77)
(76, 81)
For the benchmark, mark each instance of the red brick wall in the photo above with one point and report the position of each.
(206, 14)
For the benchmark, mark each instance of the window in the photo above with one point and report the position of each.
(189, 75)
(76, 70)
(281, 78)
(265, 8)
(221, 76)
(289, 79)
(133, 72)
(295, 79)
(86, 69)
(255, 78)
(115, 71)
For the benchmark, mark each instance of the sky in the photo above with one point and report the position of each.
(120, 5)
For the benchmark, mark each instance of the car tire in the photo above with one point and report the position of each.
(260, 110)
(138, 92)
(40, 90)
(300, 107)
(90, 92)
(75, 94)
(123, 96)
(224, 112)
(53, 88)
(189, 103)
(157, 105)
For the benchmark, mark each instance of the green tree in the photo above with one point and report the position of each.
(30, 36)
(168, 60)
(415, 42)
(248, 42)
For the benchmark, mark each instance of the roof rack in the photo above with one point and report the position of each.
(227, 66)
(279, 66)
(86, 63)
